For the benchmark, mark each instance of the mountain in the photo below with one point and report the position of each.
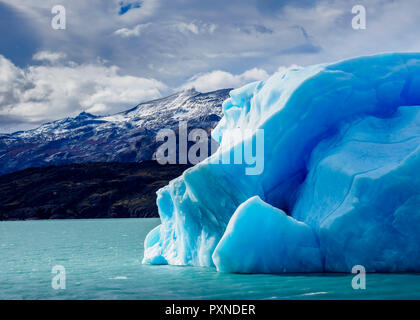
(123, 137)
(90, 190)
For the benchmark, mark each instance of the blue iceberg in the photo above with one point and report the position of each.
(339, 185)
(262, 238)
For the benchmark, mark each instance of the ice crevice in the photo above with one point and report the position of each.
(340, 186)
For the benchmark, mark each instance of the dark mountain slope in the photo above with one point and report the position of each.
(81, 191)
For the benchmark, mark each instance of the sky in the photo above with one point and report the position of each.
(115, 54)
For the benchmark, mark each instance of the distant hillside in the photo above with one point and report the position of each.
(123, 137)
(81, 191)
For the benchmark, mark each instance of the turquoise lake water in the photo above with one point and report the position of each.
(102, 260)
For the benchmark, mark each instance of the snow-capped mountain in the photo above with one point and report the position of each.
(125, 136)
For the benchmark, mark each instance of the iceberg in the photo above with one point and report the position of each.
(262, 238)
(340, 184)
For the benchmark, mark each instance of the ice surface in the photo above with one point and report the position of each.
(366, 204)
(341, 158)
(261, 238)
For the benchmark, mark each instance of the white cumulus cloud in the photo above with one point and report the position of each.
(219, 79)
(42, 93)
(133, 32)
(48, 56)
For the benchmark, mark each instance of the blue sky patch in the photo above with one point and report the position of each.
(127, 6)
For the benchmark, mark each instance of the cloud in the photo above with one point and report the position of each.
(48, 92)
(188, 27)
(48, 56)
(196, 27)
(293, 66)
(221, 79)
(235, 35)
(272, 7)
(307, 47)
(175, 40)
(256, 28)
(134, 32)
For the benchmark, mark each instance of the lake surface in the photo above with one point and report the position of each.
(102, 260)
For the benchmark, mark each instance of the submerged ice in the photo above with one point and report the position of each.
(340, 185)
